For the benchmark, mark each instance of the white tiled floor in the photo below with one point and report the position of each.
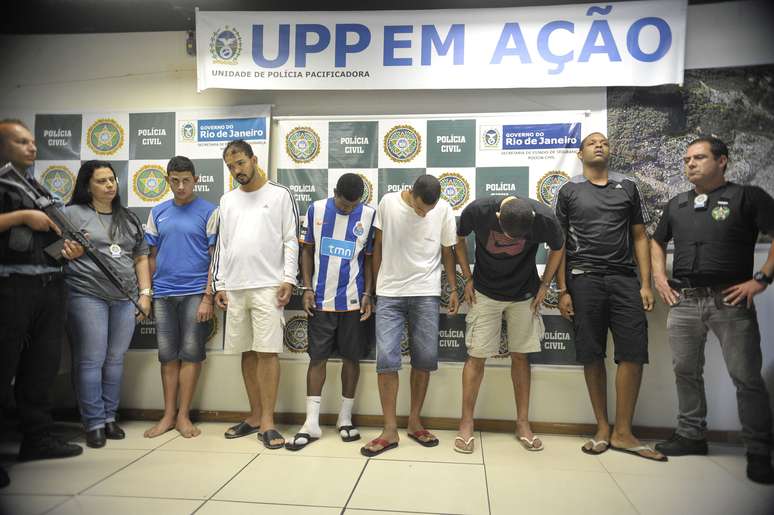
(212, 475)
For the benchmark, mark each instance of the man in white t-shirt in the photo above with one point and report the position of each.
(414, 232)
(254, 270)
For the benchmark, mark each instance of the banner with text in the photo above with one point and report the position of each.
(473, 156)
(138, 144)
(640, 43)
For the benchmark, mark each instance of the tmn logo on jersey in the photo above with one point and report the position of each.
(337, 248)
(225, 45)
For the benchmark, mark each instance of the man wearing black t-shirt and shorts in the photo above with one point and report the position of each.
(504, 282)
(604, 223)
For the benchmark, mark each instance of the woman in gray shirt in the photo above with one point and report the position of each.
(101, 320)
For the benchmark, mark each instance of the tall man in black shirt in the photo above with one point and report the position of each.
(604, 221)
(504, 282)
(715, 227)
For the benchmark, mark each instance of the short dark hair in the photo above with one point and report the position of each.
(717, 146)
(180, 164)
(350, 186)
(583, 141)
(427, 188)
(238, 145)
(11, 121)
(516, 217)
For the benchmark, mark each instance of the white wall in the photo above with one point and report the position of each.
(151, 70)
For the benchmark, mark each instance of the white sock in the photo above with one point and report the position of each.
(312, 424)
(345, 413)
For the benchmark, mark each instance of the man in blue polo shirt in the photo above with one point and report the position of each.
(181, 233)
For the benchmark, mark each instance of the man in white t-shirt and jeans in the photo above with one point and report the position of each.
(415, 231)
(254, 271)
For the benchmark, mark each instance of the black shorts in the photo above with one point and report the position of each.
(608, 301)
(340, 334)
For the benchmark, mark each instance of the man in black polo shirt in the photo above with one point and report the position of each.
(504, 282)
(715, 227)
(32, 295)
(604, 222)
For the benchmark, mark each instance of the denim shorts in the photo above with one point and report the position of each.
(178, 334)
(422, 316)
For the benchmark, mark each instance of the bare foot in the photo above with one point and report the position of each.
(186, 428)
(524, 430)
(388, 436)
(629, 441)
(602, 435)
(466, 429)
(164, 425)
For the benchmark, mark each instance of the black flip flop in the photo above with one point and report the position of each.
(268, 436)
(417, 438)
(293, 446)
(241, 429)
(635, 451)
(386, 446)
(349, 437)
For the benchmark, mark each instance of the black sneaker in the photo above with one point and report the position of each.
(681, 446)
(759, 469)
(45, 447)
(4, 479)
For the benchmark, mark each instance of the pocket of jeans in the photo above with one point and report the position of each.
(721, 304)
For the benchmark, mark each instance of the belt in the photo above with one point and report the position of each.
(701, 291)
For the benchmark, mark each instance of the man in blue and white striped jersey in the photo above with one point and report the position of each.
(338, 288)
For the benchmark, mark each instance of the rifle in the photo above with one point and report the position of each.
(43, 200)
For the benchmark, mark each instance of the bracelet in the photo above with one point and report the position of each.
(366, 294)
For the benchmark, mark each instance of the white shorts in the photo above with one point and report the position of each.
(484, 324)
(254, 322)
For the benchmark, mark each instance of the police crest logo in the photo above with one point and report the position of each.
(404, 341)
(295, 334)
(60, 181)
(502, 350)
(368, 190)
(225, 45)
(490, 137)
(150, 183)
(446, 288)
(302, 144)
(720, 212)
(454, 189)
(551, 300)
(188, 131)
(213, 328)
(549, 185)
(402, 143)
(105, 137)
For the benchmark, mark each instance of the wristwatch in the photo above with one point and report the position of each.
(762, 278)
(148, 292)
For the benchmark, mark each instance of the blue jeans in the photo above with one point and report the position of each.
(422, 316)
(100, 332)
(179, 335)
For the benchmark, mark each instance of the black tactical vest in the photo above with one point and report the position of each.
(713, 245)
